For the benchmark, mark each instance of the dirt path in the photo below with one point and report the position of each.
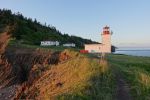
(123, 90)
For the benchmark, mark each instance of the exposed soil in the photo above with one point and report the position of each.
(20, 67)
(52, 81)
(4, 38)
(7, 93)
(123, 90)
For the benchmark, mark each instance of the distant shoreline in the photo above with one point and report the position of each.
(130, 55)
(135, 50)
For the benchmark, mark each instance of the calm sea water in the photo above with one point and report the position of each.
(134, 51)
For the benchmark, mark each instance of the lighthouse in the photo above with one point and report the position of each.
(104, 47)
(106, 40)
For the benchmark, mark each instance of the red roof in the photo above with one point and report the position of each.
(106, 27)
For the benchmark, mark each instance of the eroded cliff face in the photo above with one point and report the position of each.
(22, 61)
(4, 64)
(21, 67)
(47, 81)
(4, 38)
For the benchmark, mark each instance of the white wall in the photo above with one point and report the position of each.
(99, 48)
(69, 45)
(49, 43)
(93, 48)
(106, 41)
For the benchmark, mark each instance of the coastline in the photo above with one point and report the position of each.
(140, 53)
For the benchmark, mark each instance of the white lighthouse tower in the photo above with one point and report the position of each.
(104, 47)
(106, 40)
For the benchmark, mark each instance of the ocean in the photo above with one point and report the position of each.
(134, 51)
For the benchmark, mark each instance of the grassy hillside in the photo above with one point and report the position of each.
(78, 78)
(69, 75)
(47, 74)
(29, 31)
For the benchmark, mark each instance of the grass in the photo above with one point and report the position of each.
(80, 78)
(136, 71)
(16, 43)
(97, 82)
(84, 78)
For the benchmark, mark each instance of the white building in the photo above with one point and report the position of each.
(69, 45)
(104, 47)
(49, 43)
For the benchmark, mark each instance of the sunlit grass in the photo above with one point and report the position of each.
(78, 78)
(144, 79)
(90, 79)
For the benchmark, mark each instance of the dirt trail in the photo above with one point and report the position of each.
(123, 90)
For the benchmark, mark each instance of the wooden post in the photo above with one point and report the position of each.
(102, 57)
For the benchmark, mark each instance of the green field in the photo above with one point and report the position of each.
(136, 71)
(53, 48)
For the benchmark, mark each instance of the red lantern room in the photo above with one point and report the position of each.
(106, 30)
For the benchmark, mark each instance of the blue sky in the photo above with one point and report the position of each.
(128, 19)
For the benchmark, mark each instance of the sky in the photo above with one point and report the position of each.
(128, 19)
